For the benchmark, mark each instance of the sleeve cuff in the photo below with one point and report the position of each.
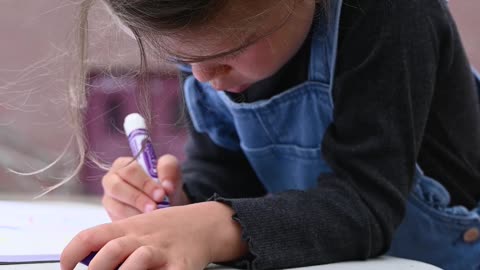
(247, 261)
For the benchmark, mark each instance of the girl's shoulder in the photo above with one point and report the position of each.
(398, 9)
(395, 27)
(397, 17)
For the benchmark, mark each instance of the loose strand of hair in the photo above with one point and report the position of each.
(77, 96)
(142, 93)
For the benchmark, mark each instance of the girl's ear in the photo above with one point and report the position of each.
(117, 21)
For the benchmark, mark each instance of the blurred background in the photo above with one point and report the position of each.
(35, 128)
(35, 38)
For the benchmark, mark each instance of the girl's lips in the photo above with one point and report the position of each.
(235, 89)
(238, 89)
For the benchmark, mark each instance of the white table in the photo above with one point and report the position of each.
(382, 263)
(51, 210)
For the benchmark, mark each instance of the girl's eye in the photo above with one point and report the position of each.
(176, 61)
(236, 53)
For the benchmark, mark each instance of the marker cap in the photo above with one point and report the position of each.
(132, 122)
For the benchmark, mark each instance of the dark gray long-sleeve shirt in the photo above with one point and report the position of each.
(403, 94)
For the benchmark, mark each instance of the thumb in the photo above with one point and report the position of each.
(168, 170)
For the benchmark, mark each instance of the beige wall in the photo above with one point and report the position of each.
(33, 38)
(34, 45)
(467, 15)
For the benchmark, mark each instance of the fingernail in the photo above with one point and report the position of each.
(157, 195)
(167, 185)
(149, 208)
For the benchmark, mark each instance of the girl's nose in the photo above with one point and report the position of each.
(204, 73)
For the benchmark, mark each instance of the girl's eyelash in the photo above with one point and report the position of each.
(236, 53)
(174, 60)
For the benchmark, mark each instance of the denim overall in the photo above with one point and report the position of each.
(282, 139)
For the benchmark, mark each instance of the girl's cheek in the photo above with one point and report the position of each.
(258, 63)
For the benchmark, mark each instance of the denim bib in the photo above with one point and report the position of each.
(282, 139)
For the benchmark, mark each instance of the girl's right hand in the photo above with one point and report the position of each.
(129, 190)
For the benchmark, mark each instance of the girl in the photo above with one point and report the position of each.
(322, 131)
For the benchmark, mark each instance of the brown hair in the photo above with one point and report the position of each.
(148, 20)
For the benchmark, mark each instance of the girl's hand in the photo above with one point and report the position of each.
(181, 238)
(129, 190)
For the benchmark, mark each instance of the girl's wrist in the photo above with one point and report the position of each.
(225, 234)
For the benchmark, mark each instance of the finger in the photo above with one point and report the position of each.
(169, 172)
(85, 242)
(133, 174)
(121, 190)
(121, 162)
(117, 210)
(145, 257)
(114, 253)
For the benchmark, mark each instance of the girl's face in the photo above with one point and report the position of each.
(279, 30)
(260, 60)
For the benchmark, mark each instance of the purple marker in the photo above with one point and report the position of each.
(136, 131)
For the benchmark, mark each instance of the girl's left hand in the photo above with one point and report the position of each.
(181, 238)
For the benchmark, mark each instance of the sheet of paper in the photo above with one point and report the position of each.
(38, 231)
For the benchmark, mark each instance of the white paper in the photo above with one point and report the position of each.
(38, 231)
